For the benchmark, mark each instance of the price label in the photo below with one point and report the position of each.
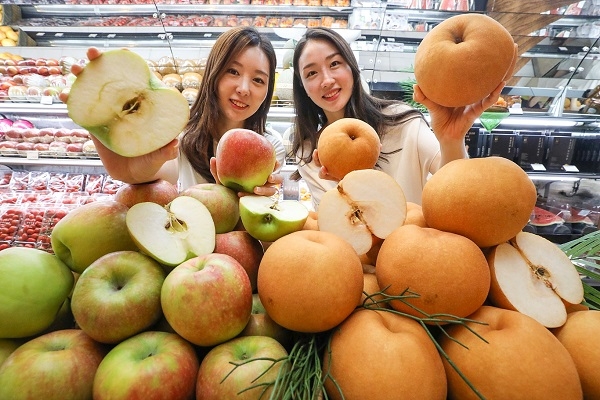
(570, 168)
(538, 167)
(32, 154)
(47, 100)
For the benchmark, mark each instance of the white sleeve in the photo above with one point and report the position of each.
(275, 138)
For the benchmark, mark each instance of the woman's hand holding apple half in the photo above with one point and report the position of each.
(138, 169)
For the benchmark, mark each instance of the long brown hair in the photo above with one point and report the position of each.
(199, 134)
(310, 118)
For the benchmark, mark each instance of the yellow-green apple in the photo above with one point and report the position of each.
(7, 346)
(120, 101)
(357, 215)
(33, 287)
(150, 365)
(160, 191)
(261, 324)
(207, 299)
(173, 233)
(267, 220)
(221, 201)
(219, 378)
(90, 231)
(58, 365)
(245, 159)
(118, 296)
(247, 250)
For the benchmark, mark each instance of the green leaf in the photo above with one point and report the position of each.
(584, 253)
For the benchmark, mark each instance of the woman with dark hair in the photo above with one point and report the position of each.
(327, 87)
(235, 92)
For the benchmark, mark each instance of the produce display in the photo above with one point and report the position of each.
(369, 297)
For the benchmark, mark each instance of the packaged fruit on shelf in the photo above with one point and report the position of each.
(19, 180)
(110, 185)
(10, 220)
(51, 217)
(93, 183)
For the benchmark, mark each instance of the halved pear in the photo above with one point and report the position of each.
(120, 101)
(172, 234)
(267, 219)
(530, 274)
(365, 203)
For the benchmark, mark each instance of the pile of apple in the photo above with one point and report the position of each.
(203, 294)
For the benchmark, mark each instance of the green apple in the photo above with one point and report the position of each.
(118, 296)
(181, 230)
(245, 159)
(207, 299)
(150, 365)
(268, 220)
(90, 231)
(222, 202)
(219, 379)
(34, 284)
(55, 366)
(121, 102)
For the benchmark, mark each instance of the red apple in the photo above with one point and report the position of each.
(247, 250)
(149, 366)
(58, 365)
(216, 381)
(207, 299)
(260, 324)
(245, 159)
(159, 191)
(222, 202)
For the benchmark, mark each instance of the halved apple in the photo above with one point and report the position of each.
(267, 219)
(530, 274)
(365, 203)
(172, 234)
(120, 101)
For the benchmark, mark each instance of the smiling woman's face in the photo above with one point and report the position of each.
(326, 77)
(243, 88)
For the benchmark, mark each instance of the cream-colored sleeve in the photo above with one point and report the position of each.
(317, 186)
(275, 138)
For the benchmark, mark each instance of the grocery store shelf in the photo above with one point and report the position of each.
(46, 161)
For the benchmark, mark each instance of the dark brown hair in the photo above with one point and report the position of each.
(199, 134)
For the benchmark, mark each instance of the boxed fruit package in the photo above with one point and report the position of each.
(9, 14)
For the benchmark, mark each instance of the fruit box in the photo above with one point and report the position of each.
(10, 14)
(25, 40)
